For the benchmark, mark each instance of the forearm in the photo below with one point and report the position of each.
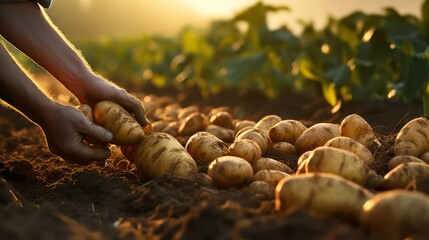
(24, 25)
(19, 91)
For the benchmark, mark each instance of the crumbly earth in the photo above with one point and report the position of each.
(43, 197)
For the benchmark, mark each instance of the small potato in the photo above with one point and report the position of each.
(246, 149)
(406, 175)
(256, 135)
(184, 112)
(230, 172)
(281, 149)
(395, 161)
(271, 177)
(160, 153)
(261, 188)
(321, 194)
(425, 157)
(413, 138)
(193, 123)
(204, 146)
(270, 164)
(286, 131)
(242, 124)
(219, 109)
(316, 136)
(149, 107)
(223, 119)
(224, 134)
(126, 130)
(397, 214)
(87, 111)
(352, 146)
(302, 162)
(267, 122)
(172, 128)
(158, 126)
(355, 127)
(339, 162)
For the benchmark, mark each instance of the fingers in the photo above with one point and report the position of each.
(135, 106)
(94, 131)
(86, 154)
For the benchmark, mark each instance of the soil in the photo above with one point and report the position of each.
(44, 197)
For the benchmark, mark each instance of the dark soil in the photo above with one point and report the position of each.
(43, 197)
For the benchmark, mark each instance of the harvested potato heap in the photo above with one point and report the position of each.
(333, 173)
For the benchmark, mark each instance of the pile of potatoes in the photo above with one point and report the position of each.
(333, 173)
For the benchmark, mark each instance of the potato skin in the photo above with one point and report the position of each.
(271, 177)
(397, 214)
(126, 130)
(355, 127)
(413, 138)
(281, 149)
(339, 162)
(160, 153)
(225, 134)
(222, 119)
(316, 136)
(405, 174)
(193, 123)
(270, 164)
(397, 160)
(256, 135)
(286, 131)
(230, 172)
(267, 122)
(87, 111)
(246, 149)
(352, 146)
(206, 147)
(242, 124)
(322, 194)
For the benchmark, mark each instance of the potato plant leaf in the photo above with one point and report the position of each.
(239, 68)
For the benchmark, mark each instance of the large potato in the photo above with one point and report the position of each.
(406, 175)
(413, 138)
(160, 153)
(256, 135)
(126, 130)
(286, 131)
(321, 194)
(397, 214)
(270, 164)
(230, 172)
(352, 146)
(205, 146)
(267, 122)
(355, 127)
(246, 149)
(316, 136)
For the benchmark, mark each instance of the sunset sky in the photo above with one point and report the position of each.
(92, 18)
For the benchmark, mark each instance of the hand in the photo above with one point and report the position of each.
(66, 127)
(97, 89)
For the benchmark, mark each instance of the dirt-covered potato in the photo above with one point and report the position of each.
(223, 119)
(270, 164)
(204, 146)
(281, 149)
(193, 123)
(261, 187)
(230, 172)
(397, 214)
(413, 138)
(246, 149)
(355, 127)
(322, 194)
(271, 177)
(225, 134)
(160, 153)
(395, 161)
(286, 131)
(126, 130)
(352, 146)
(406, 175)
(242, 124)
(316, 136)
(339, 162)
(256, 135)
(267, 122)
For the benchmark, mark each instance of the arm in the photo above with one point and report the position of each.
(27, 28)
(64, 127)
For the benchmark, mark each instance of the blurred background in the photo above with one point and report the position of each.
(83, 19)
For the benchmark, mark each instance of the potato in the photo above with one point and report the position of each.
(395, 161)
(352, 146)
(242, 124)
(149, 106)
(87, 111)
(316, 136)
(256, 135)
(322, 194)
(223, 119)
(184, 112)
(413, 138)
(193, 123)
(219, 109)
(261, 188)
(160, 153)
(158, 126)
(126, 130)
(230, 172)
(270, 164)
(246, 149)
(397, 214)
(205, 147)
(281, 149)
(406, 175)
(224, 134)
(302, 161)
(271, 177)
(425, 157)
(355, 127)
(339, 162)
(172, 128)
(286, 131)
(267, 122)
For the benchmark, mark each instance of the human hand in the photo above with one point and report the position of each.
(65, 129)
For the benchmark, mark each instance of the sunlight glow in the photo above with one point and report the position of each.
(217, 8)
